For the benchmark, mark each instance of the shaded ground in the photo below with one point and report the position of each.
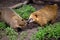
(8, 3)
(29, 32)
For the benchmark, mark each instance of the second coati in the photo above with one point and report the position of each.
(44, 15)
(12, 18)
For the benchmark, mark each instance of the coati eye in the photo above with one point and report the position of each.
(22, 20)
(36, 15)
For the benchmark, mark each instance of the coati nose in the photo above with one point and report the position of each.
(30, 20)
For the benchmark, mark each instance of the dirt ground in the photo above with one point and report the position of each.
(5, 3)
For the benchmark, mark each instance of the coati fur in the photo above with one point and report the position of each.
(9, 16)
(44, 15)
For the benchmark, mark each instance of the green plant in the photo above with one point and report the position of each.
(50, 31)
(25, 11)
(12, 35)
(5, 30)
(2, 25)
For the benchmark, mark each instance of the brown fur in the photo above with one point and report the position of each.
(44, 15)
(12, 18)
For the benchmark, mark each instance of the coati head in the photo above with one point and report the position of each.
(17, 22)
(21, 24)
(34, 17)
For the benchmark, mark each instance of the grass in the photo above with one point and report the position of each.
(50, 31)
(25, 11)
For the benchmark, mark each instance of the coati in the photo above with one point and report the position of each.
(9, 16)
(44, 15)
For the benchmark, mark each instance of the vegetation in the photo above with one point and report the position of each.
(51, 31)
(2, 26)
(25, 11)
(4, 30)
(12, 35)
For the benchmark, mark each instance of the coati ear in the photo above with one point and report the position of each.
(55, 5)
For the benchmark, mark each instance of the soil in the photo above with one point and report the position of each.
(32, 27)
